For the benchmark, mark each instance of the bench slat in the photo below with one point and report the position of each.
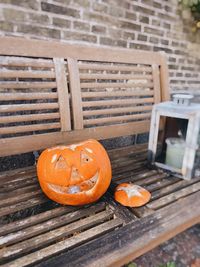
(6, 187)
(102, 103)
(116, 110)
(24, 107)
(26, 62)
(74, 80)
(137, 237)
(27, 74)
(32, 117)
(46, 226)
(20, 191)
(105, 85)
(25, 144)
(27, 96)
(156, 82)
(66, 244)
(35, 219)
(23, 205)
(29, 128)
(94, 76)
(116, 93)
(161, 202)
(45, 49)
(25, 85)
(63, 96)
(173, 187)
(15, 199)
(48, 238)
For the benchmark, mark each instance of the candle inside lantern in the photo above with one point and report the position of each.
(175, 152)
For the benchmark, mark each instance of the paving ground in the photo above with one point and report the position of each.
(183, 250)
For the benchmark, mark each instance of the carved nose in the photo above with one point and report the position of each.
(75, 172)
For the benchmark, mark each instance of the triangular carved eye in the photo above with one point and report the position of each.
(85, 158)
(61, 163)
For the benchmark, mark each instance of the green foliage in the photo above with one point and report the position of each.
(168, 264)
(132, 264)
(193, 6)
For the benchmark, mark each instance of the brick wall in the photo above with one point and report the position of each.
(142, 24)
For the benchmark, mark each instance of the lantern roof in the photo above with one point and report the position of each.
(180, 105)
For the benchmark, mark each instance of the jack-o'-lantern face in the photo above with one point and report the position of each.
(76, 174)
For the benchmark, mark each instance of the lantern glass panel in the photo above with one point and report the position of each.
(171, 141)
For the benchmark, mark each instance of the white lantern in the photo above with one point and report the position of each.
(175, 128)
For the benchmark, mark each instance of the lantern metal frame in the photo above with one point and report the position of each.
(172, 109)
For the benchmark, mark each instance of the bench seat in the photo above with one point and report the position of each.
(36, 230)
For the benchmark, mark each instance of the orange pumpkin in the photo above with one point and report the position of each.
(76, 174)
(131, 195)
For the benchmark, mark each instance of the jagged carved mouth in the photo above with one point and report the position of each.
(73, 189)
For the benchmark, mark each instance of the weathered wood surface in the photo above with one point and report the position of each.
(25, 144)
(35, 48)
(115, 87)
(63, 96)
(135, 238)
(42, 237)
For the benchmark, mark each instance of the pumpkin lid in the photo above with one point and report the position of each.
(131, 195)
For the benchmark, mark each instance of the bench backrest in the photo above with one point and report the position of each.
(54, 93)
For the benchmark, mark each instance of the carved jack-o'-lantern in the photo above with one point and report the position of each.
(76, 174)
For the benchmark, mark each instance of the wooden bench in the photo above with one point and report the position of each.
(54, 93)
